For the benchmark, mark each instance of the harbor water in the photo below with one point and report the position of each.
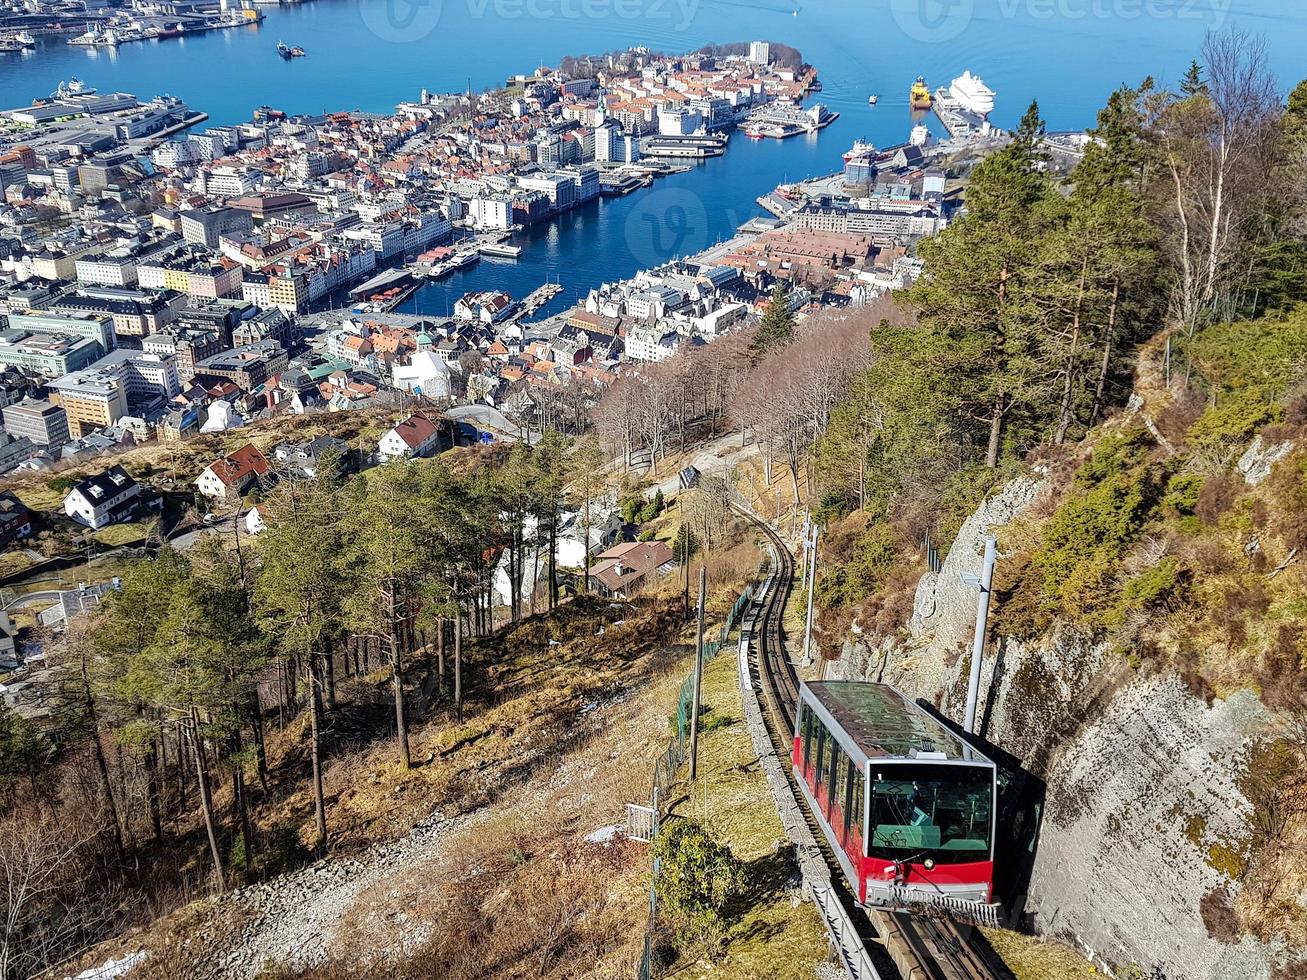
(370, 54)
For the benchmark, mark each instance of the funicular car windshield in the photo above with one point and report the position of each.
(937, 811)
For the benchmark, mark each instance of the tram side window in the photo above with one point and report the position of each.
(835, 782)
(847, 805)
(841, 790)
(856, 792)
(824, 746)
(809, 736)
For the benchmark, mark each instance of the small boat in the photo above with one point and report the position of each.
(754, 132)
(288, 52)
(25, 39)
(873, 99)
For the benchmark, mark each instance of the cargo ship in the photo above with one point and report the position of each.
(920, 96)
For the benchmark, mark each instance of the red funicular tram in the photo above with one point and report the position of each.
(907, 806)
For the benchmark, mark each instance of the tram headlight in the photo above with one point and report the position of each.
(928, 864)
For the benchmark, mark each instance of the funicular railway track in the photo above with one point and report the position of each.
(911, 945)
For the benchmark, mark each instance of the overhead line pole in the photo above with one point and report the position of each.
(811, 571)
(698, 678)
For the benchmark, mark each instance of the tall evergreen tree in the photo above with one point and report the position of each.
(300, 591)
(777, 327)
(978, 299)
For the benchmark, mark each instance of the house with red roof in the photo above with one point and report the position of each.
(416, 436)
(234, 474)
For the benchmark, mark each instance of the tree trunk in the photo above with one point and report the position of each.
(397, 674)
(315, 747)
(1106, 365)
(206, 801)
(152, 778)
(102, 764)
(1068, 383)
(329, 660)
(458, 668)
(440, 654)
(995, 435)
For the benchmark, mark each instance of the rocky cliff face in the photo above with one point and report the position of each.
(1143, 812)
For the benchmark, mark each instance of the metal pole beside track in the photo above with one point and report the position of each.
(812, 581)
(982, 621)
(698, 678)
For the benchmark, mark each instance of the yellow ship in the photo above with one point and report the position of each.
(920, 96)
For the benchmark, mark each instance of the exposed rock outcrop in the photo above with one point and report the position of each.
(1144, 805)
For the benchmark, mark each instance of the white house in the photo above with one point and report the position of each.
(417, 435)
(104, 499)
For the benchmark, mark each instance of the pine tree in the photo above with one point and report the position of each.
(1194, 83)
(777, 327)
(388, 535)
(979, 301)
(300, 589)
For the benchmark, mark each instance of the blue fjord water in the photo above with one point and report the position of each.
(370, 54)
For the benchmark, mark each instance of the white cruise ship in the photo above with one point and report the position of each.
(972, 94)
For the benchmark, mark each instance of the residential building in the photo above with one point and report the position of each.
(107, 498)
(302, 459)
(15, 519)
(622, 571)
(234, 474)
(187, 345)
(144, 376)
(417, 435)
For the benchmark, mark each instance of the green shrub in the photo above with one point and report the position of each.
(1233, 419)
(1182, 492)
(1114, 454)
(1086, 538)
(872, 557)
(61, 484)
(1261, 356)
(1160, 584)
(696, 880)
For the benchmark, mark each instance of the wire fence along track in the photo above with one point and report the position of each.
(927, 945)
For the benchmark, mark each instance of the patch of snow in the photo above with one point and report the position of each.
(113, 969)
(604, 835)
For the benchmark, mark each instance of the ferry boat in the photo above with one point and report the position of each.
(502, 250)
(860, 148)
(920, 96)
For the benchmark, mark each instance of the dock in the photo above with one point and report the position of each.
(539, 297)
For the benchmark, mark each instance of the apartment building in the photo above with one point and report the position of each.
(41, 421)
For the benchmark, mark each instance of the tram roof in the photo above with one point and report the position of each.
(884, 723)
